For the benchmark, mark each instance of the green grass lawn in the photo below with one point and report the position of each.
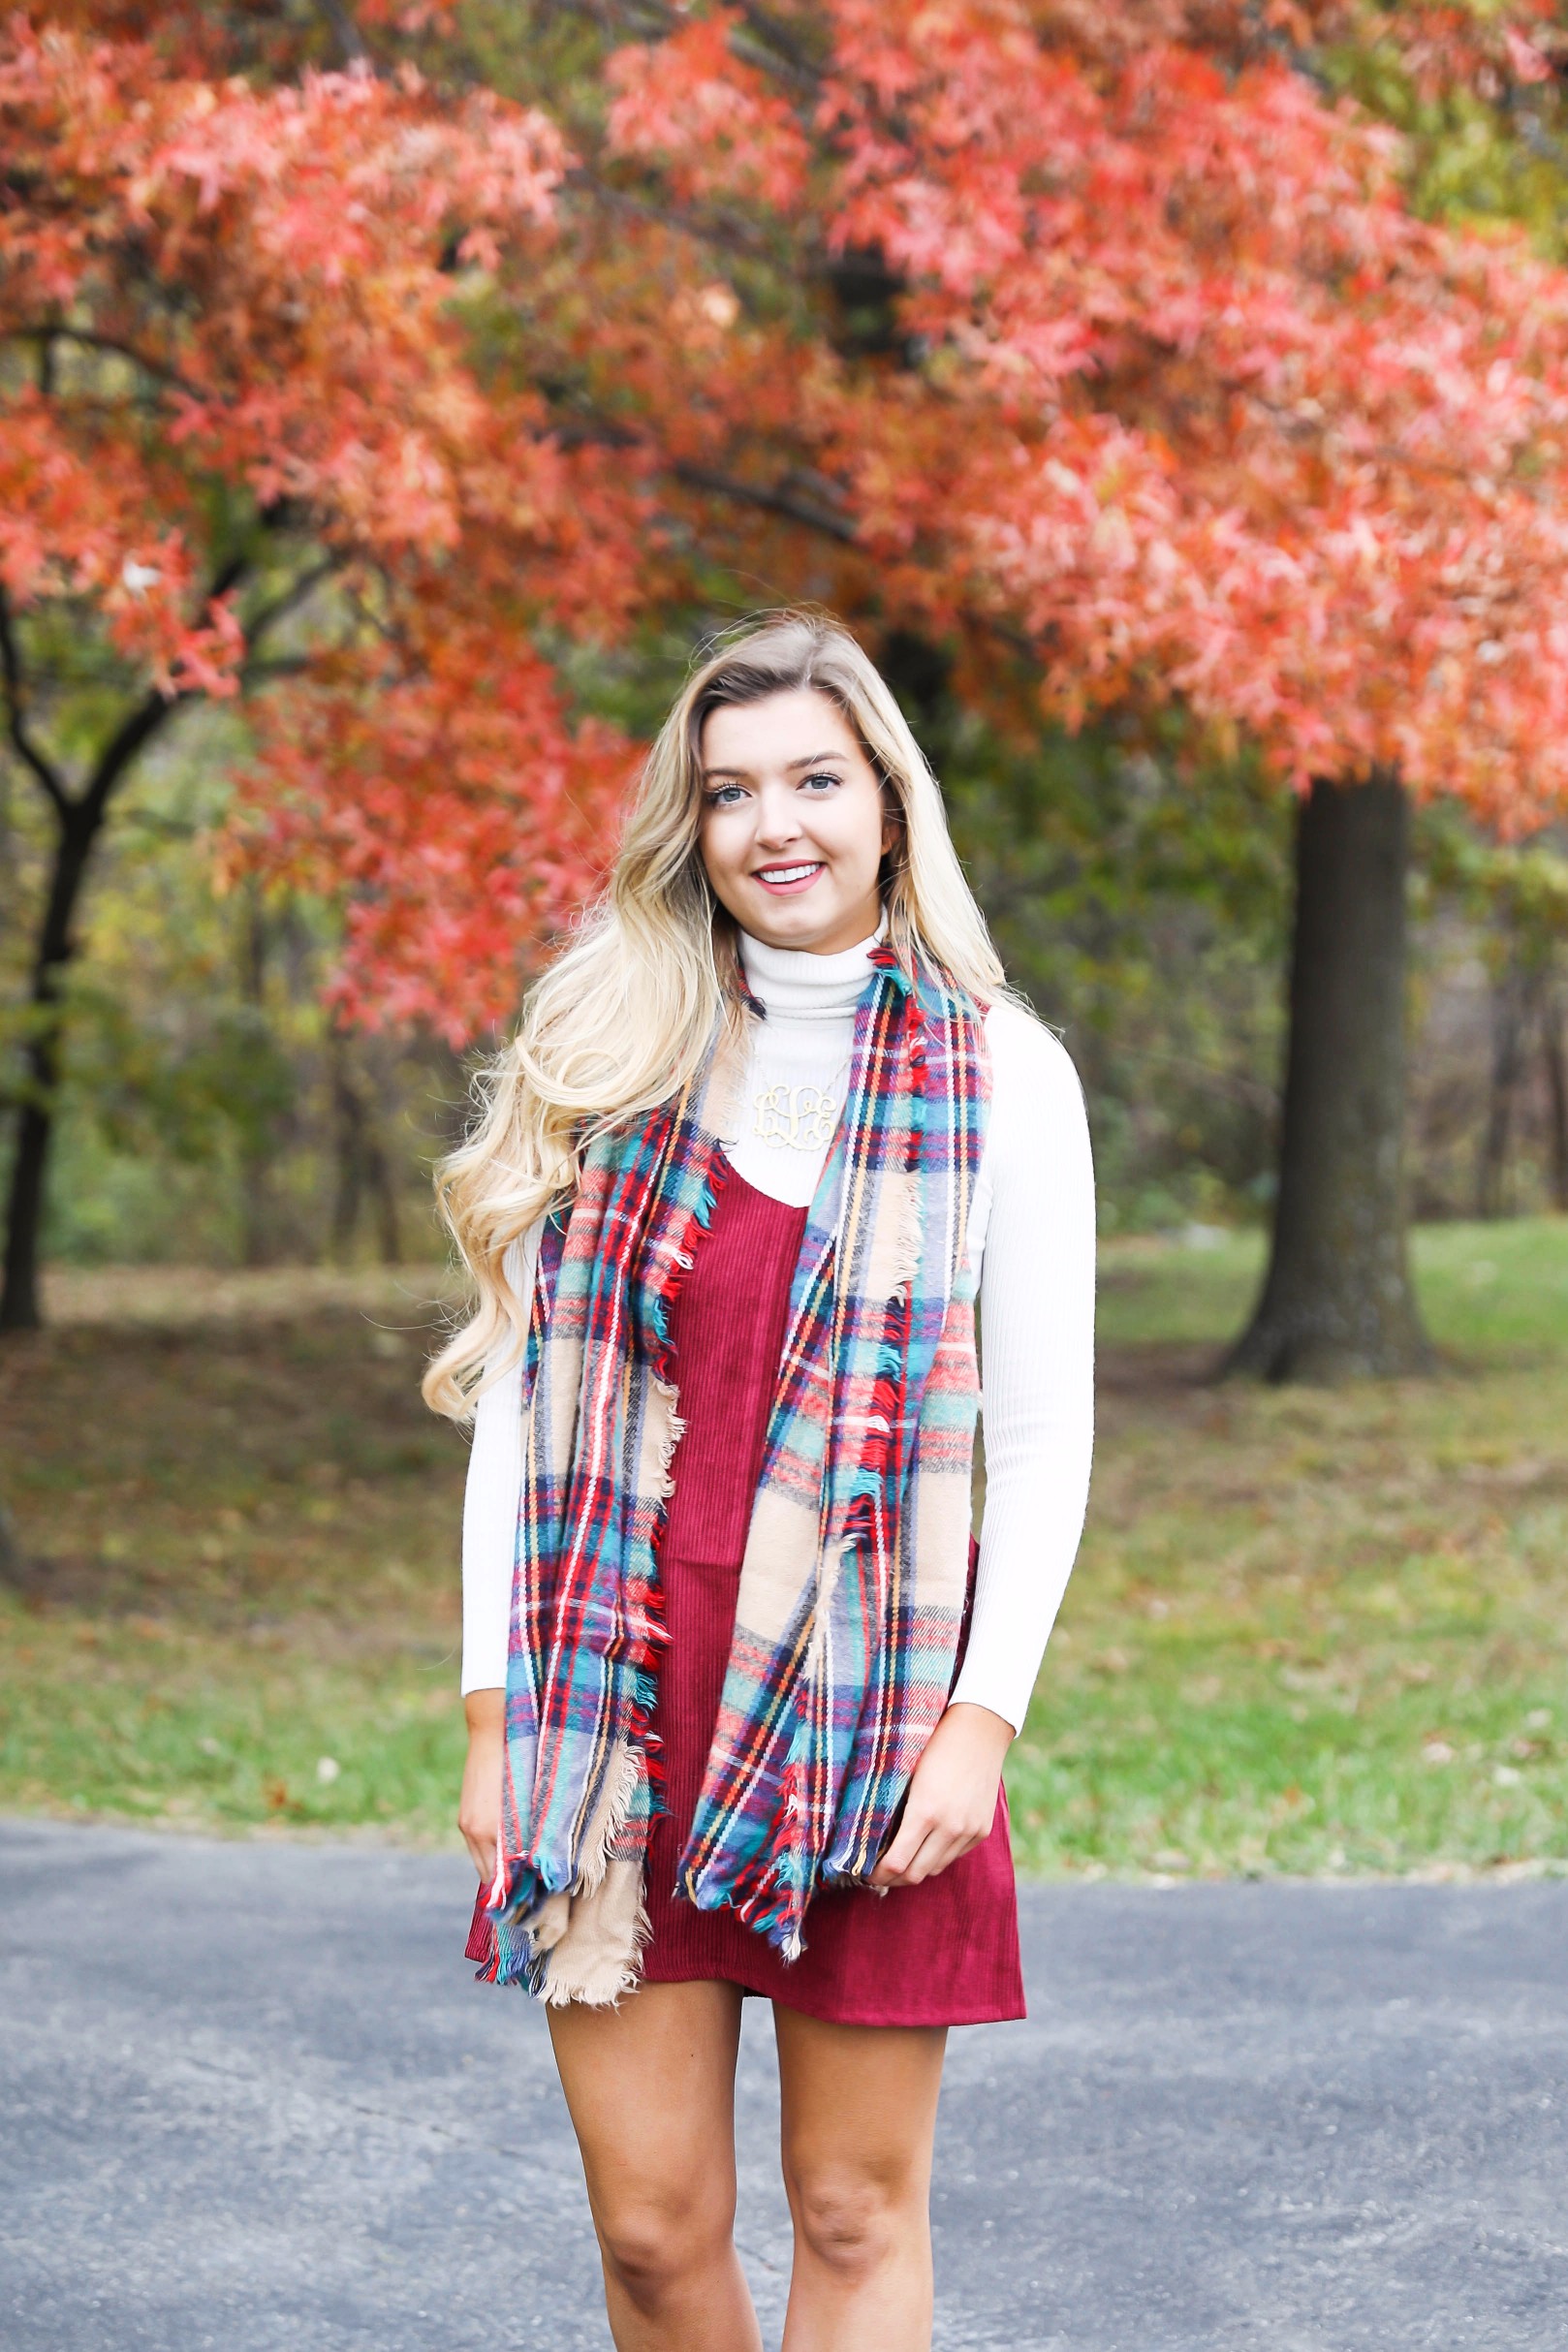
(1308, 1631)
(1316, 1630)
(243, 1604)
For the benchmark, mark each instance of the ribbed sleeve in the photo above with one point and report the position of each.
(1037, 1357)
(490, 1504)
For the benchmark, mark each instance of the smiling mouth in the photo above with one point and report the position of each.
(788, 877)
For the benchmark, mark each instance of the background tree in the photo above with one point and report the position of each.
(1237, 428)
(1101, 355)
(240, 416)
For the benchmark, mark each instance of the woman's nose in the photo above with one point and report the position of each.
(778, 819)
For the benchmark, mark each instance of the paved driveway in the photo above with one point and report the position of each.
(250, 2098)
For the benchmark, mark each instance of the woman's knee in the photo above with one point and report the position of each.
(656, 2244)
(853, 2221)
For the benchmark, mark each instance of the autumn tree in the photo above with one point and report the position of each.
(1100, 341)
(1188, 395)
(1097, 345)
(244, 439)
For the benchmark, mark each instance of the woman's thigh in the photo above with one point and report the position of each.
(859, 2115)
(650, 2089)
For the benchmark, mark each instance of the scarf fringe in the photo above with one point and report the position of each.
(771, 1901)
(516, 1956)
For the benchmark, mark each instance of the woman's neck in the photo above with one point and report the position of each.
(795, 984)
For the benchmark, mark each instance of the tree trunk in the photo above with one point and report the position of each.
(1510, 1016)
(80, 818)
(12, 1559)
(1337, 1300)
(348, 1148)
(78, 821)
(256, 1218)
(384, 1192)
(20, 1305)
(1554, 1021)
(362, 1165)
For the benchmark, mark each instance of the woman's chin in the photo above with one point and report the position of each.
(804, 922)
(783, 926)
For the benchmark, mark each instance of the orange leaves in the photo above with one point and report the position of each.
(234, 323)
(219, 283)
(273, 259)
(1094, 327)
(1214, 416)
(697, 109)
(453, 805)
(89, 521)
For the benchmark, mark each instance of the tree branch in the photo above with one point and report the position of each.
(729, 232)
(89, 340)
(771, 502)
(351, 41)
(293, 597)
(766, 41)
(775, 47)
(22, 743)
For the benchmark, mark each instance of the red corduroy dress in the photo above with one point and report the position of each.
(943, 1953)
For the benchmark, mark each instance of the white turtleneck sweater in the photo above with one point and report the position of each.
(1031, 1237)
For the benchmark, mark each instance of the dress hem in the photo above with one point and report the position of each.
(835, 2015)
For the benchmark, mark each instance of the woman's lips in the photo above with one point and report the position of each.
(786, 881)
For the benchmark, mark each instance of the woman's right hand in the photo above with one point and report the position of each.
(479, 1807)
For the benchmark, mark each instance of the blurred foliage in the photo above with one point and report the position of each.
(1140, 900)
(1143, 909)
(1490, 1108)
(210, 1109)
(1486, 146)
(213, 1112)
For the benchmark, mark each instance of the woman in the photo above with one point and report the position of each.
(770, 1124)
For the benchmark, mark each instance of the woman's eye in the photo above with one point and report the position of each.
(822, 778)
(724, 796)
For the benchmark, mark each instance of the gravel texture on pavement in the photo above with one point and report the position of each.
(251, 2097)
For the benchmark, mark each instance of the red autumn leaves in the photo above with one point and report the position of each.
(1167, 389)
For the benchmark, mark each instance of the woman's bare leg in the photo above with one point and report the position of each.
(650, 2089)
(859, 2119)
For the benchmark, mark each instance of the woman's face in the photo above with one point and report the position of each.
(794, 822)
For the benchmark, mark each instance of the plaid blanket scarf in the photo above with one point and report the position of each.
(853, 1578)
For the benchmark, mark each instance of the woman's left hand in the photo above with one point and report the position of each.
(952, 1799)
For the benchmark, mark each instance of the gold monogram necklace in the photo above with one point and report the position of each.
(800, 1118)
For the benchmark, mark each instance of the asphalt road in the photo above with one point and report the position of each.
(251, 2097)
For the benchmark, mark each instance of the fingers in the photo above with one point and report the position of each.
(921, 1850)
(938, 1853)
(481, 1827)
(482, 1838)
(890, 1870)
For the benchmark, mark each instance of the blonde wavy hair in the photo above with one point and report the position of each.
(621, 1018)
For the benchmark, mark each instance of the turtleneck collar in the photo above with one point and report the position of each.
(796, 984)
